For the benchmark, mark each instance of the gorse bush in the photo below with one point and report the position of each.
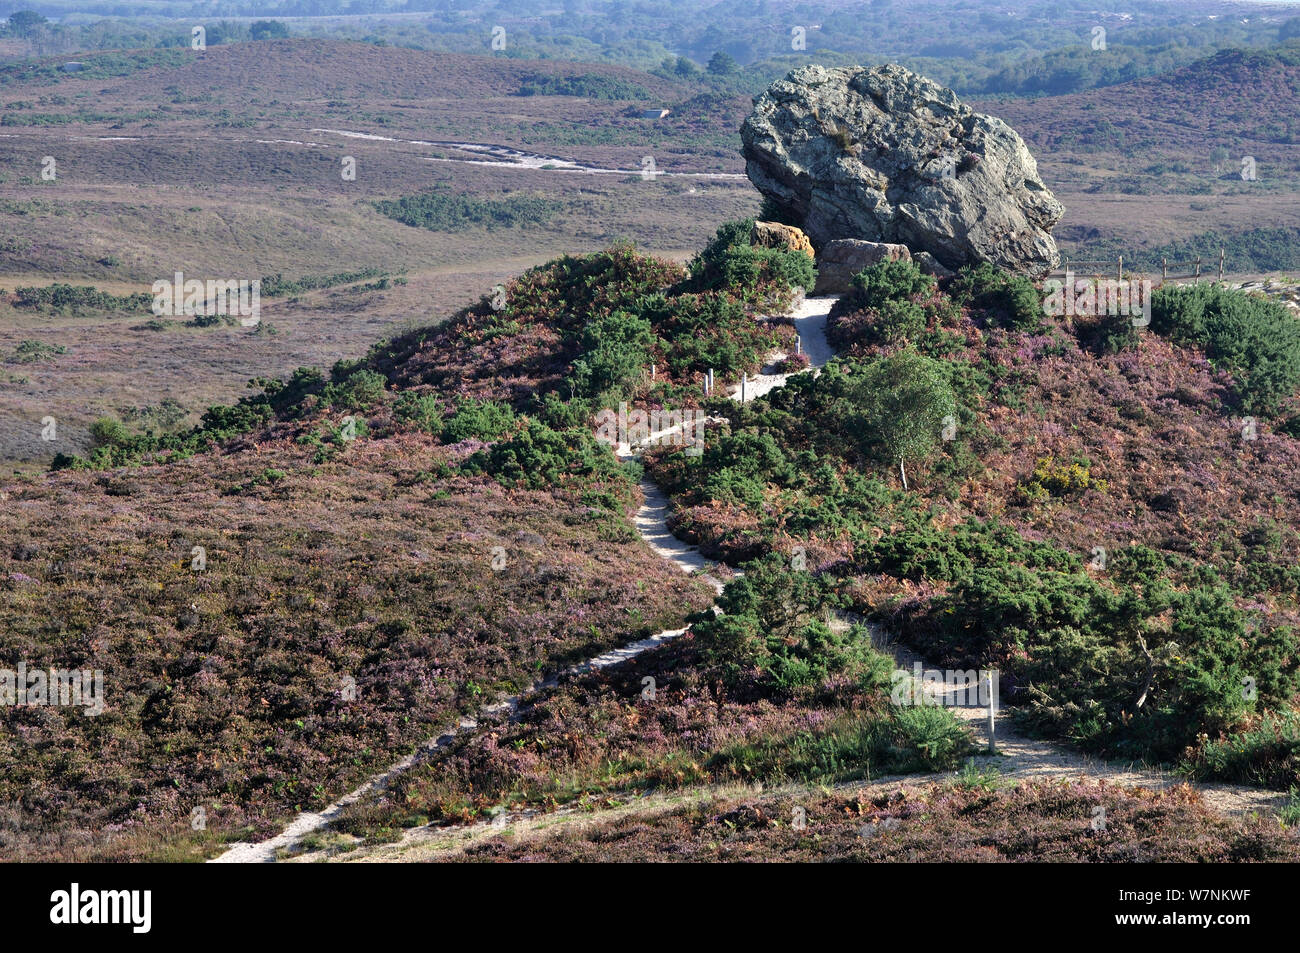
(278, 286)
(616, 351)
(731, 263)
(708, 330)
(1160, 665)
(77, 298)
(586, 85)
(1258, 341)
(443, 212)
(478, 420)
(108, 432)
(420, 410)
(900, 321)
(1055, 479)
(538, 457)
(358, 389)
(889, 281)
(35, 352)
(770, 637)
(1011, 301)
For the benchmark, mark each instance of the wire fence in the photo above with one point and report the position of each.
(1194, 269)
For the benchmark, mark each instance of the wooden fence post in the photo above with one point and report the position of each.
(1222, 254)
(1120, 276)
(1164, 270)
(1198, 271)
(993, 745)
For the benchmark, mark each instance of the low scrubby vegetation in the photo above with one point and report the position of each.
(437, 521)
(1125, 637)
(1257, 341)
(959, 823)
(447, 212)
(767, 692)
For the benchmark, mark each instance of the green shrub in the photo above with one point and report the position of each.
(615, 353)
(1267, 754)
(478, 420)
(421, 410)
(923, 738)
(887, 281)
(1258, 341)
(902, 403)
(443, 212)
(278, 286)
(731, 263)
(859, 745)
(900, 321)
(35, 352)
(1054, 479)
(77, 298)
(108, 432)
(586, 85)
(359, 390)
(1012, 301)
(770, 639)
(537, 457)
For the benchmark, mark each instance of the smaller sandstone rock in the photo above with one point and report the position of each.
(776, 235)
(845, 257)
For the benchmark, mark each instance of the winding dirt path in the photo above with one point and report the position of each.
(1019, 757)
(1016, 756)
(810, 317)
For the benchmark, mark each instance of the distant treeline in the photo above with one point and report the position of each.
(1047, 47)
(586, 85)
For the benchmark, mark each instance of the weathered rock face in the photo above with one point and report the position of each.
(885, 155)
(776, 235)
(843, 258)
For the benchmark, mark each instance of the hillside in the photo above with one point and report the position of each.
(1235, 97)
(390, 548)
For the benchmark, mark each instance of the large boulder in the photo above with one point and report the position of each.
(843, 258)
(885, 155)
